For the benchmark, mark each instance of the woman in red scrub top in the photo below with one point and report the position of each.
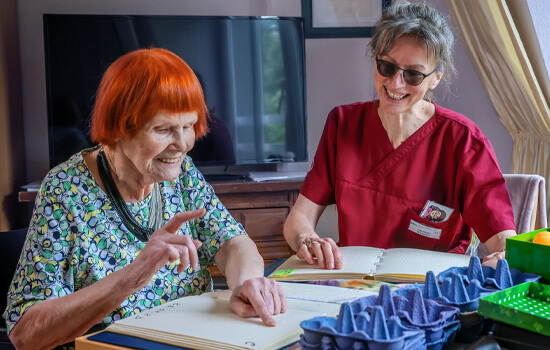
(403, 171)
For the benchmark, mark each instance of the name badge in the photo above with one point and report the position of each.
(423, 230)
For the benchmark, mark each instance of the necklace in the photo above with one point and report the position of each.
(155, 212)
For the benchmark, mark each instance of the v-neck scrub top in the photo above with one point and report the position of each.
(380, 191)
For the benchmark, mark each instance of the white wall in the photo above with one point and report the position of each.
(338, 72)
(537, 47)
(539, 10)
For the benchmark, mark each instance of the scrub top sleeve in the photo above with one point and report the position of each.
(486, 206)
(319, 183)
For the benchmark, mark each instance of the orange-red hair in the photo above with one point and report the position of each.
(139, 85)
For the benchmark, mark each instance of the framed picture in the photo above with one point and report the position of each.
(341, 18)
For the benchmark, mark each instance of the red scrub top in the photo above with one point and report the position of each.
(380, 191)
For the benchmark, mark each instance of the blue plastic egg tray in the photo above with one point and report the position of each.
(384, 322)
(463, 287)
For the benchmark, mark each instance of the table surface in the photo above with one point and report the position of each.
(502, 332)
(83, 343)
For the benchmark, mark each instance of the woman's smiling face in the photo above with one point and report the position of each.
(396, 96)
(157, 151)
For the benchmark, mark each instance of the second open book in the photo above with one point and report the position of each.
(390, 265)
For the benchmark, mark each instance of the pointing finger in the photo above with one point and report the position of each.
(175, 223)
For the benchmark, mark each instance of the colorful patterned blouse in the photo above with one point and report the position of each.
(76, 238)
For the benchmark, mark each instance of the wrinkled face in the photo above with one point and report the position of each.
(396, 96)
(157, 151)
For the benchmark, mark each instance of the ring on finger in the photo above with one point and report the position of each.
(310, 243)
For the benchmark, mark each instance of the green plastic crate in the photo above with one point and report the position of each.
(526, 306)
(526, 256)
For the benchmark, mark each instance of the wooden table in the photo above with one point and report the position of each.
(83, 343)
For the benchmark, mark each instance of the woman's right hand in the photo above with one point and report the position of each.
(324, 250)
(300, 234)
(165, 246)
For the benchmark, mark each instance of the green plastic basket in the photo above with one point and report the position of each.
(526, 306)
(526, 256)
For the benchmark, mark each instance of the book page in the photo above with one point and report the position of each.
(409, 261)
(324, 294)
(358, 262)
(325, 300)
(206, 321)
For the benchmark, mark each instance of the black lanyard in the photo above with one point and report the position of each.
(120, 206)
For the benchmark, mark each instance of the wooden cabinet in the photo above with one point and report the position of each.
(262, 208)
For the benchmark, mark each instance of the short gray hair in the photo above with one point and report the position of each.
(425, 22)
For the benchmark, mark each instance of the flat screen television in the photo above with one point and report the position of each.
(252, 71)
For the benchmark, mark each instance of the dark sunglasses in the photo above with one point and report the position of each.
(411, 76)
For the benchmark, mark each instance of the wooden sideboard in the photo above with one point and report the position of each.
(261, 207)
(27, 196)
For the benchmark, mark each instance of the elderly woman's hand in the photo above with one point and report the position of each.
(165, 246)
(261, 297)
(324, 250)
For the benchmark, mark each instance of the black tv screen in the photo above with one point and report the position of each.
(252, 71)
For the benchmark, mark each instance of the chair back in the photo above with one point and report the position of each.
(528, 196)
(11, 245)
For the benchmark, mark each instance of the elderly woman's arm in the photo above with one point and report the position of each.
(496, 246)
(49, 323)
(56, 321)
(300, 234)
(253, 295)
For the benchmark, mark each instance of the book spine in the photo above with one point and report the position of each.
(379, 261)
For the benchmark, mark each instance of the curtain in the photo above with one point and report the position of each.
(491, 39)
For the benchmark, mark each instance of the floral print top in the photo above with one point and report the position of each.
(76, 238)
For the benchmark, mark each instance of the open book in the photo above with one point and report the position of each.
(390, 265)
(206, 321)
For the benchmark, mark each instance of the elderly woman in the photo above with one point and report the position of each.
(131, 223)
(384, 163)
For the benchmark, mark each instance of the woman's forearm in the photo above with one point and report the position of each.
(52, 322)
(239, 260)
(496, 246)
(57, 321)
(497, 243)
(301, 222)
